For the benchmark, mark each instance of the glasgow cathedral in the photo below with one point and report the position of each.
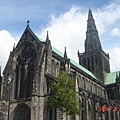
(34, 63)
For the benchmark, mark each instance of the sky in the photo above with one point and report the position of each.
(66, 21)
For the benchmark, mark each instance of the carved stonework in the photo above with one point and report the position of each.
(25, 72)
(27, 53)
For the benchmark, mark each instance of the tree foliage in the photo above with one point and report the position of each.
(63, 95)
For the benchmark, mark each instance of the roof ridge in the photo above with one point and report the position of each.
(71, 61)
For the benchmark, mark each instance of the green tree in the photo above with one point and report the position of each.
(63, 95)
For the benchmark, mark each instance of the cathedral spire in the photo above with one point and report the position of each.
(94, 58)
(65, 54)
(91, 23)
(92, 41)
(47, 38)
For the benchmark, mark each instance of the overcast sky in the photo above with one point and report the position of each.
(66, 21)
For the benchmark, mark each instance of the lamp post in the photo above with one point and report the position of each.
(9, 87)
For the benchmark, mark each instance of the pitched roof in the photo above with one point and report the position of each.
(82, 68)
(111, 78)
(71, 61)
(62, 55)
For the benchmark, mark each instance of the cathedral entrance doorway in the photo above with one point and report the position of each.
(21, 112)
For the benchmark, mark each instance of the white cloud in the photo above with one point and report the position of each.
(115, 59)
(6, 45)
(115, 32)
(107, 16)
(69, 29)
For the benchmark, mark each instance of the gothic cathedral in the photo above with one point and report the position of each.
(34, 63)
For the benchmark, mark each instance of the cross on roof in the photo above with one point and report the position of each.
(28, 23)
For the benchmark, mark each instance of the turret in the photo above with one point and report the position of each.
(48, 52)
(65, 63)
(65, 54)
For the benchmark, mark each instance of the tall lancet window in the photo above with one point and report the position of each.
(25, 72)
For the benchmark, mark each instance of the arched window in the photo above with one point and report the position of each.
(88, 63)
(53, 67)
(57, 69)
(25, 72)
(110, 94)
(84, 61)
(92, 63)
(21, 112)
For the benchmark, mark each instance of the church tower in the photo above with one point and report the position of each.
(94, 58)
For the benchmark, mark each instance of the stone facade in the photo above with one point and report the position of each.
(34, 64)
